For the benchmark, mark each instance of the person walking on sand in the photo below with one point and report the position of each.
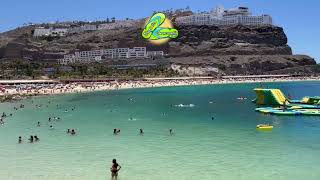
(115, 168)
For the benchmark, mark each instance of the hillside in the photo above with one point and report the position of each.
(233, 49)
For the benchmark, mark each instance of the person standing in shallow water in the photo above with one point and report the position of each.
(20, 140)
(170, 131)
(115, 168)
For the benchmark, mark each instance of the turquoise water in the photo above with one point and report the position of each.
(228, 147)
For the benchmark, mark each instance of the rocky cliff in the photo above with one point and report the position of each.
(234, 49)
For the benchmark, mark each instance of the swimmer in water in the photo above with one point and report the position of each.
(31, 139)
(212, 118)
(114, 131)
(170, 131)
(73, 132)
(118, 131)
(49, 119)
(115, 169)
(141, 131)
(68, 131)
(51, 127)
(36, 138)
(38, 124)
(20, 140)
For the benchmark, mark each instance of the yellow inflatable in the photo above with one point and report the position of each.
(264, 127)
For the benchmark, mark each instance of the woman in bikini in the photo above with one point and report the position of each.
(115, 169)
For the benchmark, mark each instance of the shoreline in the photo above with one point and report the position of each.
(19, 92)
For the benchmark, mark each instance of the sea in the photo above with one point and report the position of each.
(214, 135)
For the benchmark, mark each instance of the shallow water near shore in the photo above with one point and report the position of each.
(226, 147)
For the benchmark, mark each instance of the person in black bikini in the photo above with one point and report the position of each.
(115, 169)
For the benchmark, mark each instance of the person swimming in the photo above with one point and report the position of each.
(68, 131)
(141, 131)
(170, 131)
(51, 127)
(31, 139)
(20, 140)
(73, 132)
(115, 168)
(49, 119)
(116, 131)
(36, 138)
(38, 124)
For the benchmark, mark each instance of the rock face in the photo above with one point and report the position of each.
(233, 50)
(246, 64)
(235, 40)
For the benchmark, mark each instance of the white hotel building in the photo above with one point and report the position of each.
(118, 53)
(118, 24)
(41, 31)
(221, 17)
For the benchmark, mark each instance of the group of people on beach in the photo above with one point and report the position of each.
(76, 87)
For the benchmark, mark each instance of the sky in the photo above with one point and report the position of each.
(298, 18)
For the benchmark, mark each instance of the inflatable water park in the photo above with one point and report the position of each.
(273, 101)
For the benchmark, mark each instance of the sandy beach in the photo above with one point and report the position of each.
(31, 89)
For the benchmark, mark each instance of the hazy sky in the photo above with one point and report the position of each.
(298, 18)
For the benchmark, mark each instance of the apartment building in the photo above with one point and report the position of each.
(41, 31)
(81, 29)
(221, 17)
(117, 24)
(155, 54)
(117, 53)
